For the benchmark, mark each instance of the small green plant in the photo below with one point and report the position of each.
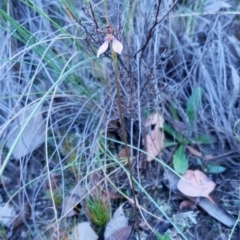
(57, 198)
(98, 211)
(180, 162)
(162, 237)
(68, 149)
(3, 234)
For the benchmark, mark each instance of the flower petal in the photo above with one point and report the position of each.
(117, 46)
(103, 48)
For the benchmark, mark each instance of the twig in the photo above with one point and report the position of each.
(156, 22)
(124, 136)
(93, 16)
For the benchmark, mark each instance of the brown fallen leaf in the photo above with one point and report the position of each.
(186, 204)
(121, 234)
(118, 221)
(196, 184)
(124, 153)
(208, 157)
(194, 152)
(7, 214)
(211, 208)
(72, 199)
(83, 231)
(33, 135)
(155, 139)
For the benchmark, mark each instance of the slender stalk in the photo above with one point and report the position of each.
(124, 136)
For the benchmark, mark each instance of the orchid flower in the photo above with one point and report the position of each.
(116, 45)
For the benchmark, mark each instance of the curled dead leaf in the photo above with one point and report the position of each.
(72, 199)
(7, 214)
(123, 153)
(211, 208)
(83, 231)
(154, 141)
(121, 234)
(186, 204)
(196, 184)
(208, 157)
(33, 135)
(118, 221)
(194, 152)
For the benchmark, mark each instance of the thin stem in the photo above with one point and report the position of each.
(124, 136)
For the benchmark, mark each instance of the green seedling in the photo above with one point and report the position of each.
(98, 211)
(3, 233)
(57, 198)
(180, 161)
(162, 237)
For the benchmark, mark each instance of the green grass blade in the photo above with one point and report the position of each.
(193, 103)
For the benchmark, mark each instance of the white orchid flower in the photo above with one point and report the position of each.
(116, 45)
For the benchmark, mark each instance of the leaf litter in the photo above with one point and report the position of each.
(73, 198)
(33, 135)
(118, 221)
(154, 140)
(211, 208)
(83, 231)
(196, 184)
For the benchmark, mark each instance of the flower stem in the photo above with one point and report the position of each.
(124, 137)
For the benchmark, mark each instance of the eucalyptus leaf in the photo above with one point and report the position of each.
(180, 161)
(33, 135)
(193, 103)
(211, 168)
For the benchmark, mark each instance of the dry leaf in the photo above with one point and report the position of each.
(22, 216)
(186, 204)
(208, 157)
(196, 184)
(83, 231)
(33, 135)
(118, 221)
(212, 209)
(72, 199)
(121, 234)
(7, 214)
(215, 211)
(193, 151)
(123, 153)
(155, 139)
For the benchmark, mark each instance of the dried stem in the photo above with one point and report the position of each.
(124, 136)
(156, 22)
